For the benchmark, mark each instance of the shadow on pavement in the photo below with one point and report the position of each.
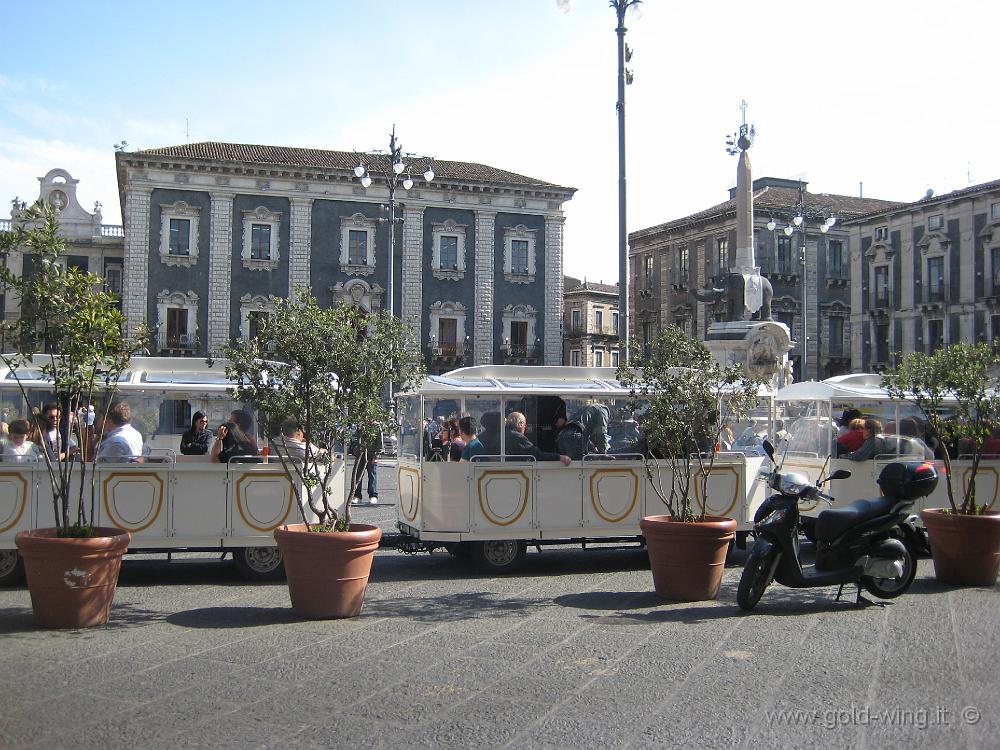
(203, 570)
(233, 617)
(552, 561)
(123, 616)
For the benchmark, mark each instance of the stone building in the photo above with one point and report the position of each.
(215, 232)
(670, 261)
(91, 245)
(590, 325)
(926, 274)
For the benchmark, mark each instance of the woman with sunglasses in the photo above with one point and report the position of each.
(195, 442)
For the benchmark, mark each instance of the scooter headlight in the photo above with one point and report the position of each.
(793, 484)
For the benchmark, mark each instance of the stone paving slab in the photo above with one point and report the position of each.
(576, 651)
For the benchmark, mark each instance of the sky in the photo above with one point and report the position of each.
(892, 97)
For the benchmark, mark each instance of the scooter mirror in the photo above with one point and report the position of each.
(769, 449)
(840, 474)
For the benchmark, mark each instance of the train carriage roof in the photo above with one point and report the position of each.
(521, 380)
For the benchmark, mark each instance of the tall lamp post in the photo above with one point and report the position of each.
(631, 7)
(800, 222)
(624, 78)
(396, 172)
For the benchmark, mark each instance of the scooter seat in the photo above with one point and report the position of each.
(830, 524)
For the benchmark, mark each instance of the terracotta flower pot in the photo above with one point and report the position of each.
(966, 549)
(327, 572)
(72, 582)
(687, 558)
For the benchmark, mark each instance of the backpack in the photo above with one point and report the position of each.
(571, 441)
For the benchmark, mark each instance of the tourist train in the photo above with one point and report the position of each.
(490, 509)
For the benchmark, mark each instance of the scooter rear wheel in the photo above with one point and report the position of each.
(890, 588)
(756, 576)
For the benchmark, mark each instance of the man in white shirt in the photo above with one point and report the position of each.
(123, 442)
(292, 442)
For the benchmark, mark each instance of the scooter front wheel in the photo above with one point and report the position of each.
(756, 575)
(890, 588)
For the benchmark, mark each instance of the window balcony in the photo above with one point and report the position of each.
(177, 345)
(519, 354)
(446, 353)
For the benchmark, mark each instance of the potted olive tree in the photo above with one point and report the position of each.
(324, 372)
(958, 389)
(685, 390)
(70, 331)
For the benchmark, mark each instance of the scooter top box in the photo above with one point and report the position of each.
(908, 480)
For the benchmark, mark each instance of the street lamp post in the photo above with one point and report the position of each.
(391, 167)
(624, 78)
(800, 222)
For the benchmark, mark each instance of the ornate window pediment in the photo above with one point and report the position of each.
(179, 234)
(523, 342)
(357, 245)
(881, 251)
(261, 230)
(177, 324)
(519, 254)
(934, 243)
(448, 261)
(252, 305)
(447, 337)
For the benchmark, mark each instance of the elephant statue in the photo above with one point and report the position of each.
(733, 291)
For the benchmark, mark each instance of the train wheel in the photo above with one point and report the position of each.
(11, 567)
(499, 555)
(259, 563)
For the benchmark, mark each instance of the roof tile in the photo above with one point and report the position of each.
(339, 160)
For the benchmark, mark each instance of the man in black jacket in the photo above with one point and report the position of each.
(517, 443)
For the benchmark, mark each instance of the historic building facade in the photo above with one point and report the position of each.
(671, 261)
(590, 324)
(91, 245)
(216, 232)
(926, 274)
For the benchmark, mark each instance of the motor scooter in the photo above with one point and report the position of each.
(859, 544)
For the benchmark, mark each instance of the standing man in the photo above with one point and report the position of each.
(57, 438)
(124, 441)
(368, 454)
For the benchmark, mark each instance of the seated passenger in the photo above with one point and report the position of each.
(473, 447)
(19, 448)
(489, 437)
(517, 443)
(123, 442)
(456, 443)
(195, 442)
(234, 439)
(586, 432)
(852, 438)
(874, 444)
(291, 443)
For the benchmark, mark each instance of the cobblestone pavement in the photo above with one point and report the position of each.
(576, 651)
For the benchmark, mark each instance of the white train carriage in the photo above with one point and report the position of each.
(169, 502)
(493, 507)
(807, 411)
